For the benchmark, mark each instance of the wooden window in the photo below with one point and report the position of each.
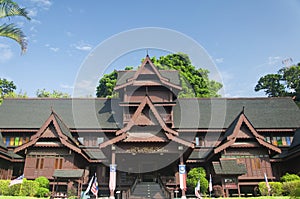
(58, 163)
(42, 163)
(39, 163)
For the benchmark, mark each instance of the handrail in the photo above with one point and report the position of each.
(164, 189)
(132, 187)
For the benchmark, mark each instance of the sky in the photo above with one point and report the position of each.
(243, 39)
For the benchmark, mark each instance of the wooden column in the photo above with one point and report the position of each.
(183, 195)
(113, 161)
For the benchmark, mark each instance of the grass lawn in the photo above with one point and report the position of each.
(18, 197)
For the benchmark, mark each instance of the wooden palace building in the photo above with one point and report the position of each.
(146, 134)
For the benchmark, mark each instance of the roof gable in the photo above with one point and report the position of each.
(52, 128)
(241, 127)
(146, 114)
(147, 72)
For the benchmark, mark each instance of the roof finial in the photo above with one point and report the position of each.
(243, 111)
(147, 53)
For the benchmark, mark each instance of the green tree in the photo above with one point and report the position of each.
(291, 76)
(195, 82)
(7, 90)
(107, 84)
(285, 83)
(54, 94)
(8, 9)
(6, 86)
(196, 174)
(271, 84)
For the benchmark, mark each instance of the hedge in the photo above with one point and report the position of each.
(276, 188)
(31, 188)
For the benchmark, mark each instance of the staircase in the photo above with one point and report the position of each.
(147, 190)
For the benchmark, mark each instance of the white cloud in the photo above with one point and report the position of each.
(6, 53)
(82, 46)
(32, 12)
(219, 60)
(45, 4)
(69, 34)
(54, 49)
(274, 60)
(65, 86)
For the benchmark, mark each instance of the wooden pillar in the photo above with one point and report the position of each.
(239, 190)
(53, 187)
(183, 195)
(113, 161)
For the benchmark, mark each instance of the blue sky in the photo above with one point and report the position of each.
(245, 39)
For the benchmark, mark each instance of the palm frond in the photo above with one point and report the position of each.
(15, 33)
(9, 8)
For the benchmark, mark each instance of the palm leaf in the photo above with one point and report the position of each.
(15, 33)
(9, 8)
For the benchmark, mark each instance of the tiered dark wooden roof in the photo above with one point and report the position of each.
(197, 113)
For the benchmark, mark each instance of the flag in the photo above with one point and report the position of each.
(89, 186)
(197, 190)
(182, 177)
(267, 183)
(112, 177)
(18, 180)
(94, 188)
(210, 187)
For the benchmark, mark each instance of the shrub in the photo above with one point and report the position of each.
(276, 188)
(296, 193)
(14, 190)
(194, 175)
(43, 182)
(29, 188)
(42, 192)
(218, 191)
(4, 189)
(289, 187)
(289, 177)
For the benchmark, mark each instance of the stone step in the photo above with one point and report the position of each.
(146, 190)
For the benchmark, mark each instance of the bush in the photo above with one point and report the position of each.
(14, 190)
(194, 175)
(276, 188)
(29, 188)
(289, 177)
(42, 192)
(218, 191)
(289, 187)
(296, 193)
(43, 182)
(4, 189)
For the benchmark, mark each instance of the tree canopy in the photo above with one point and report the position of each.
(54, 94)
(9, 8)
(285, 83)
(7, 89)
(195, 174)
(195, 82)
